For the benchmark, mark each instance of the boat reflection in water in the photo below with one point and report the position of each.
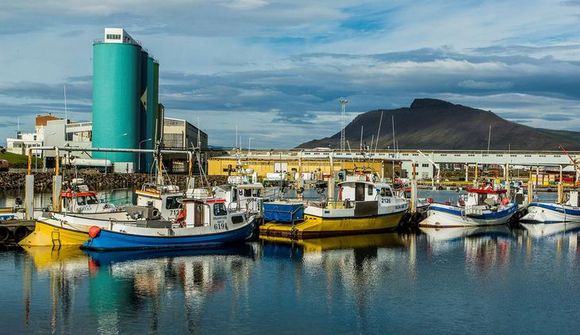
(369, 284)
(124, 287)
(484, 248)
(65, 268)
(538, 230)
(459, 233)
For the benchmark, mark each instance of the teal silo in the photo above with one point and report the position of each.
(143, 103)
(151, 113)
(155, 105)
(116, 99)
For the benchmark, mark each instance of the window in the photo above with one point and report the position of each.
(236, 219)
(113, 36)
(425, 165)
(370, 189)
(172, 202)
(219, 209)
(385, 192)
(92, 200)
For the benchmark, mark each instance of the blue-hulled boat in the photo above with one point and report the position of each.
(202, 223)
(482, 207)
(545, 218)
(547, 213)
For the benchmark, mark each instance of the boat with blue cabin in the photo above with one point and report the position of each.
(479, 207)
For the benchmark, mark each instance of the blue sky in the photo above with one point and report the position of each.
(275, 69)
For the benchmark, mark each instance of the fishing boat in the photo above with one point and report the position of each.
(78, 198)
(544, 218)
(547, 213)
(72, 227)
(363, 206)
(247, 196)
(61, 229)
(203, 222)
(480, 207)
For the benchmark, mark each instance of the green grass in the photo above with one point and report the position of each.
(18, 161)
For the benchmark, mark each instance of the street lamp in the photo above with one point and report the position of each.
(249, 144)
(149, 139)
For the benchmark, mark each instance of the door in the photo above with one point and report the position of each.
(198, 216)
(359, 192)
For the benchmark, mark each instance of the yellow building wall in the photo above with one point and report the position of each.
(218, 166)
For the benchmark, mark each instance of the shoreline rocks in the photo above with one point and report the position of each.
(96, 181)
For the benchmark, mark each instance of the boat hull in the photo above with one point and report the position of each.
(315, 226)
(452, 216)
(549, 213)
(50, 233)
(116, 240)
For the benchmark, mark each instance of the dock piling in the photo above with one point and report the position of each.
(56, 188)
(29, 196)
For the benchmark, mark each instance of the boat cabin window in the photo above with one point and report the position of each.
(370, 189)
(81, 201)
(236, 219)
(172, 202)
(386, 192)
(92, 200)
(219, 209)
(248, 192)
(65, 202)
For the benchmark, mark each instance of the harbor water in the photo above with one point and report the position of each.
(454, 280)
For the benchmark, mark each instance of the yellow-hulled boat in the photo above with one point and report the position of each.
(51, 232)
(362, 207)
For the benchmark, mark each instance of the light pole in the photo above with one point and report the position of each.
(249, 144)
(149, 139)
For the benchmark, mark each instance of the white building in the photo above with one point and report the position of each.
(52, 131)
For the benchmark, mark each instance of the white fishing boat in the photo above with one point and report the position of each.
(480, 207)
(203, 222)
(78, 198)
(246, 196)
(544, 218)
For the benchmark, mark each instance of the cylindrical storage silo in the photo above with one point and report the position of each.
(156, 112)
(152, 100)
(143, 105)
(116, 68)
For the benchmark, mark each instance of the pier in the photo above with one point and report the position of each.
(11, 232)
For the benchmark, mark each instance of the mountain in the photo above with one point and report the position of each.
(437, 124)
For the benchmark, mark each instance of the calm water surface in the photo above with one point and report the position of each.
(447, 281)
(492, 280)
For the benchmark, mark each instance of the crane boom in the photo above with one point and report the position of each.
(576, 166)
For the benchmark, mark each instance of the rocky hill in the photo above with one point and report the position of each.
(437, 124)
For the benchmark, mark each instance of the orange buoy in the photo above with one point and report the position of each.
(94, 231)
